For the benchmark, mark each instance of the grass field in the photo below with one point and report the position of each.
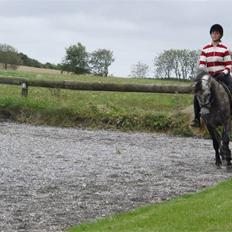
(37, 70)
(207, 211)
(126, 111)
(86, 78)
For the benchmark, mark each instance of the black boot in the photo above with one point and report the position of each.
(195, 123)
(197, 110)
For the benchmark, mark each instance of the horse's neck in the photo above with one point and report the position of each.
(213, 89)
(217, 90)
(214, 85)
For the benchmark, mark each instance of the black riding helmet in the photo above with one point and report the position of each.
(217, 27)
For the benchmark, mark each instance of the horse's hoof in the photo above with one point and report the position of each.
(218, 166)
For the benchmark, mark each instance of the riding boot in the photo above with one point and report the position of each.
(197, 110)
(228, 81)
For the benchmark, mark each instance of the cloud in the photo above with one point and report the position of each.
(133, 30)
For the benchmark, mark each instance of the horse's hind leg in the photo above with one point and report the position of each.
(225, 143)
(216, 144)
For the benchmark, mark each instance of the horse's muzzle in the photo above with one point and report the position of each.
(204, 111)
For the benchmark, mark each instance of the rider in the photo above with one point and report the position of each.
(215, 58)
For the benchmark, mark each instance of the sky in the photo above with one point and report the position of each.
(135, 30)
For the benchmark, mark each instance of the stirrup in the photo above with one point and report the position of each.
(195, 123)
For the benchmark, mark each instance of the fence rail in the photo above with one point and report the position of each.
(94, 86)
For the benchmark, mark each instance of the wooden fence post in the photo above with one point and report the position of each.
(24, 87)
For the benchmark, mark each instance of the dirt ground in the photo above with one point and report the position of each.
(53, 178)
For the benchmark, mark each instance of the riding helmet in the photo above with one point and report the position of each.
(217, 27)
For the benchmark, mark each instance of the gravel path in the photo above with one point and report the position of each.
(52, 178)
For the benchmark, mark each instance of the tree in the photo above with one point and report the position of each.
(139, 70)
(9, 55)
(27, 61)
(195, 54)
(76, 59)
(178, 63)
(50, 66)
(165, 63)
(184, 61)
(100, 60)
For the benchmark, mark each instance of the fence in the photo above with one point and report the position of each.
(95, 86)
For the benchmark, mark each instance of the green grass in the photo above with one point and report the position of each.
(207, 211)
(117, 110)
(89, 78)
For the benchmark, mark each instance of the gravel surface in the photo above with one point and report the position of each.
(52, 178)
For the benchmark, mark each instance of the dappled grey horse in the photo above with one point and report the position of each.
(215, 111)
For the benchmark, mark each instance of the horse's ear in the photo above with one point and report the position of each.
(201, 70)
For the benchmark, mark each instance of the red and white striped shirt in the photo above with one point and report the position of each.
(216, 59)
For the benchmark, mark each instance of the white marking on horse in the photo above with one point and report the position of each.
(205, 82)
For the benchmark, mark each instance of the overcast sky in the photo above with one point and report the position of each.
(133, 30)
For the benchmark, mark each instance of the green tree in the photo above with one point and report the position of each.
(195, 54)
(76, 59)
(178, 63)
(164, 63)
(9, 56)
(27, 61)
(50, 66)
(100, 60)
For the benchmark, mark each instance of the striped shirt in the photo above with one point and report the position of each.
(216, 59)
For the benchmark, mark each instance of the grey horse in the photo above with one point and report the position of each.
(215, 105)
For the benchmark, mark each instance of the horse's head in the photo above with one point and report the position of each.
(203, 90)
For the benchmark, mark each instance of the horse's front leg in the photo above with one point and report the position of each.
(216, 144)
(225, 143)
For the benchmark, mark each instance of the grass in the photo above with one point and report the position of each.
(207, 211)
(117, 110)
(89, 78)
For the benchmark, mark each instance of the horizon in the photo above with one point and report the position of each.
(134, 30)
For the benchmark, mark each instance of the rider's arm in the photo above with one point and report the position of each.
(202, 60)
(228, 62)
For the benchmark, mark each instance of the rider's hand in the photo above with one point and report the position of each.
(221, 76)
